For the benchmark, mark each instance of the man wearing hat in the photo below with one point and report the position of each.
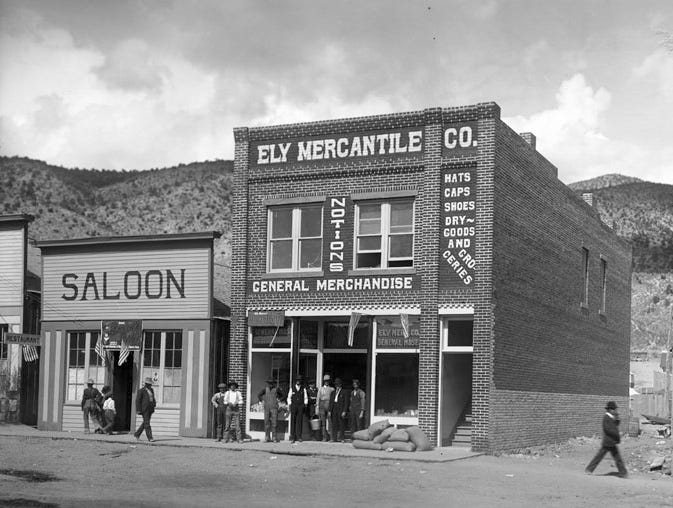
(322, 406)
(218, 403)
(145, 404)
(233, 400)
(269, 396)
(610, 440)
(297, 400)
(92, 405)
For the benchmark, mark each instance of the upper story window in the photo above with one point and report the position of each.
(385, 234)
(585, 274)
(295, 238)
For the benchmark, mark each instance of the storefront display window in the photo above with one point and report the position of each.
(271, 336)
(396, 384)
(308, 334)
(83, 364)
(265, 365)
(162, 361)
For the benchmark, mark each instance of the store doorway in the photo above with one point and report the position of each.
(28, 399)
(122, 389)
(456, 410)
(347, 366)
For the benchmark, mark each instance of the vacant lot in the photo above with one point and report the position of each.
(46, 472)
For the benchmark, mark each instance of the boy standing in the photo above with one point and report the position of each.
(232, 400)
(110, 410)
(220, 409)
(610, 440)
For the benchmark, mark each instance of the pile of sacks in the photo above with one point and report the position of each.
(383, 436)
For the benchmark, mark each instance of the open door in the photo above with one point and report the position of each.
(122, 391)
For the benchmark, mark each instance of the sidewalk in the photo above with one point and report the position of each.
(307, 448)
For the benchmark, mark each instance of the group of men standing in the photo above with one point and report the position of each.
(331, 404)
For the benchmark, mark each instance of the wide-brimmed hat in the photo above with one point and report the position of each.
(222, 385)
(270, 380)
(90, 381)
(611, 405)
(337, 380)
(326, 377)
(233, 383)
(299, 377)
(148, 381)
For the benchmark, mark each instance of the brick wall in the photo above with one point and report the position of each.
(545, 342)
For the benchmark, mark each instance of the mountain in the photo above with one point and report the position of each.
(76, 203)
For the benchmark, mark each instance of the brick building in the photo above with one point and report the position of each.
(435, 256)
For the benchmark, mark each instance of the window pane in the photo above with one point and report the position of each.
(157, 340)
(147, 358)
(281, 254)
(178, 340)
(265, 365)
(401, 215)
(81, 341)
(281, 223)
(401, 246)
(270, 336)
(460, 333)
(370, 227)
(311, 253)
(369, 212)
(169, 340)
(168, 359)
(396, 384)
(369, 243)
(156, 358)
(369, 260)
(177, 359)
(311, 221)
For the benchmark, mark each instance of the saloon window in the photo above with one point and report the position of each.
(385, 234)
(295, 238)
(83, 363)
(162, 361)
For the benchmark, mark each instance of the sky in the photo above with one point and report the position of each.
(139, 84)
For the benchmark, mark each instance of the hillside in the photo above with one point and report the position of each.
(71, 203)
(81, 203)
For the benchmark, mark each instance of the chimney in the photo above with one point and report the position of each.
(529, 138)
(588, 197)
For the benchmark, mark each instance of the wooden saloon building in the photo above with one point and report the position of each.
(147, 302)
(435, 256)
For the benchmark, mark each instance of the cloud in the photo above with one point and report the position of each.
(658, 67)
(130, 66)
(571, 135)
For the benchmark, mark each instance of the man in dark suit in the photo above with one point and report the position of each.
(338, 406)
(610, 440)
(297, 400)
(145, 404)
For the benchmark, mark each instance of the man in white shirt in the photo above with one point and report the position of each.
(233, 401)
(322, 405)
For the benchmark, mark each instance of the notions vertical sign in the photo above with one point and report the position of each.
(458, 228)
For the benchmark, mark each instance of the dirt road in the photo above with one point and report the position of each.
(87, 473)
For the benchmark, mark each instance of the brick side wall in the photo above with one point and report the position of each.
(535, 418)
(545, 342)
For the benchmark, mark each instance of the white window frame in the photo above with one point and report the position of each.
(385, 235)
(159, 386)
(88, 351)
(296, 238)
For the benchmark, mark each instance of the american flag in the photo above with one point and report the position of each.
(30, 353)
(404, 320)
(123, 353)
(352, 324)
(100, 351)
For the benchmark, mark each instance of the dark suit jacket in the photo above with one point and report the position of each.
(610, 431)
(144, 403)
(356, 401)
(339, 405)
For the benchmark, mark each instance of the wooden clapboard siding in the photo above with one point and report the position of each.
(11, 267)
(73, 420)
(196, 303)
(165, 422)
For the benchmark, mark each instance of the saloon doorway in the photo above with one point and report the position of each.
(122, 391)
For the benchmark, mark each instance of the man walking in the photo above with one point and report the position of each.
(610, 440)
(145, 404)
(297, 400)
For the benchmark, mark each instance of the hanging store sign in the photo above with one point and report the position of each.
(458, 228)
(26, 339)
(266, 317)
(400, 142)
(128, 331)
